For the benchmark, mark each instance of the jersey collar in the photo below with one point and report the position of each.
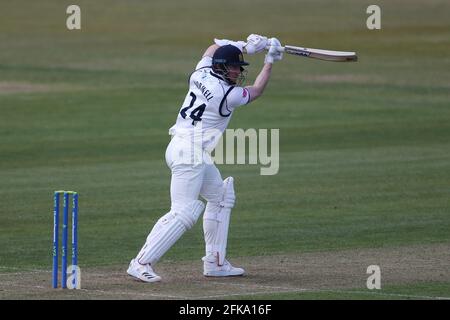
(217, 76)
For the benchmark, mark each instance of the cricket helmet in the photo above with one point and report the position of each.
(229, 55)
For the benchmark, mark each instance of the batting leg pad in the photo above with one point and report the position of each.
(216, 221)
(168, 230)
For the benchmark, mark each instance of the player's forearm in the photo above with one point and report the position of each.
(210, 51)
(257, 89)
(263, 78)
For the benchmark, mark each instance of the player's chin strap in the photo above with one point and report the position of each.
(223, 71)
(216, 220)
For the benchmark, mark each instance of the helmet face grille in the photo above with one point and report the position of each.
(223, 70)
(242, 77)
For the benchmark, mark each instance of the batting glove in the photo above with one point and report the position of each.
(274, 53)
(255, 43)
(224, 42)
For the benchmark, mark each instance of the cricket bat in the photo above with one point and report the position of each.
(327, 55)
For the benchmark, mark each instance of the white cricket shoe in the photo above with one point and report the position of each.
(212, 269)
(143, 272)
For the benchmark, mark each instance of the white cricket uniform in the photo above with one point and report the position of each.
(207, 109)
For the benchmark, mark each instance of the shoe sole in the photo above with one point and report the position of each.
(136, 277)
(221, 274)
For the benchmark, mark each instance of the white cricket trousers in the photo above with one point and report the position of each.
(193, 174)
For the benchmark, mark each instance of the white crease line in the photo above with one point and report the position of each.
(99, 291)
(249, 293)
(22, 273)
(35, 271)
(291, 290)
(135, 294)
(285, 290)
(246, 285)
(389, 294)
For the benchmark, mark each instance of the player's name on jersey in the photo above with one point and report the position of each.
(208, 94)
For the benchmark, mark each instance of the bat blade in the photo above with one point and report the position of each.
(327, 55)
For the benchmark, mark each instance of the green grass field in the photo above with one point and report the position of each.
(364, 147)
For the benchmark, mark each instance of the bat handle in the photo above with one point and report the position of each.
(279, 48)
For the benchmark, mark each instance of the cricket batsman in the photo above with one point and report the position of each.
(215, 91)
